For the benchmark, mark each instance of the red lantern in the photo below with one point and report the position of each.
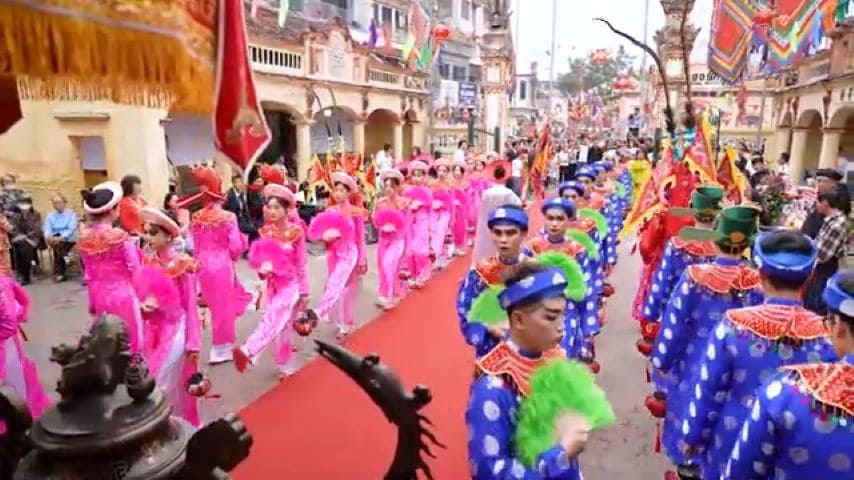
(764, 17)
(441, 31)
(622, 82)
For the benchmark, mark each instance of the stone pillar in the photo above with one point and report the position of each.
(782, 142)
(303, 149)
(359, 137)
(142, 153)
(830, 139)
(796, 154)
(397, 141)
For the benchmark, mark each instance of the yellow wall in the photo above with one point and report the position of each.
(40, 149)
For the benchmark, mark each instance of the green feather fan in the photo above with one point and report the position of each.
(576, 286)
(620, 189)
(601, 221)
(589, 245)
(558, 387)
(486, 309)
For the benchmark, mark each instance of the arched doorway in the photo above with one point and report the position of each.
(842, 123)
(329, 125)
(282, 120)
(811, 122)
(409, 129)
(379, 130)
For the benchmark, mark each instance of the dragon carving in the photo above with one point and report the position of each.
(399, 406)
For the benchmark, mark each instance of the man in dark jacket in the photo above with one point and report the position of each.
(826, 179)
(237, 202)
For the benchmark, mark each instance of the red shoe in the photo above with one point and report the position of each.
(656, 404)
(241, 360)
(671, 475)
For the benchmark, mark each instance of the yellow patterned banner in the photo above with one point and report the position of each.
(143, 52)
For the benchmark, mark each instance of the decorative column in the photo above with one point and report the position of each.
(303, 149)
(796, 155)
(669, 41)
(397, 141)
(830, 139)
(359, 137)
(497, 57)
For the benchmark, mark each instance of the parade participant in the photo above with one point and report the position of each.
(587, 175)
(279, 257)
(699, 300)
(218, 244)
(479, 181)
(799, 425)
(420, 207)
(342, 229)
(167, 292)
(493, 197)
(443, 212)
(535, 304)
(17, 371)
(750, 344)
(508, 225)
(391, 219)
(112, 260)
(460, 187)
(582, 320)
(678, 255)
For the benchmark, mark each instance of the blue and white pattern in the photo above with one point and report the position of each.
(491, 418)
(674, 261)
(736, 363)
(784, 438)
(475, 333)
(691, 314)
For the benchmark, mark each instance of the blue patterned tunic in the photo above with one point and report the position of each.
(491, 418)
(747, 348)
(700, 298)
(800, 427)
(678, 255)
(582, 317)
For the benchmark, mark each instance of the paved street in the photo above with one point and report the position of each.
(624, 451)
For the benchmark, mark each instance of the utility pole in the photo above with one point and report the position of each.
(643, 72)
(552, 55)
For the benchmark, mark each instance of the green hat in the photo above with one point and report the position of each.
(705, 204)
(734, 228)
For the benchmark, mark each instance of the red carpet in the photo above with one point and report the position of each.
(319, 425)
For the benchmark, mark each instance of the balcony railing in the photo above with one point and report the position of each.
(276, 60)
(383, 77)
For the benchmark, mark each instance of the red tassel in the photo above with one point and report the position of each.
(657, 447)
(23, 333)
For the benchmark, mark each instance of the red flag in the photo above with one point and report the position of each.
(240, 131)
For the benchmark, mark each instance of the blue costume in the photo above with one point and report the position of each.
(699, 300)
(801, 424)
(747, 348)
(487, 273)
(678, 255)
(582, 319)
(496, 394)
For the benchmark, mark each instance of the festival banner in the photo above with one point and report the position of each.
(699, 159)
(240, 131)
(649, 201)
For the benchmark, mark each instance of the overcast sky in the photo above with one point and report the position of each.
(577, 33)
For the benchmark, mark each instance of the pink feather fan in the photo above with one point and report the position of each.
(152, 282)
(386, 218)
(268, 250)
(330, 220)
